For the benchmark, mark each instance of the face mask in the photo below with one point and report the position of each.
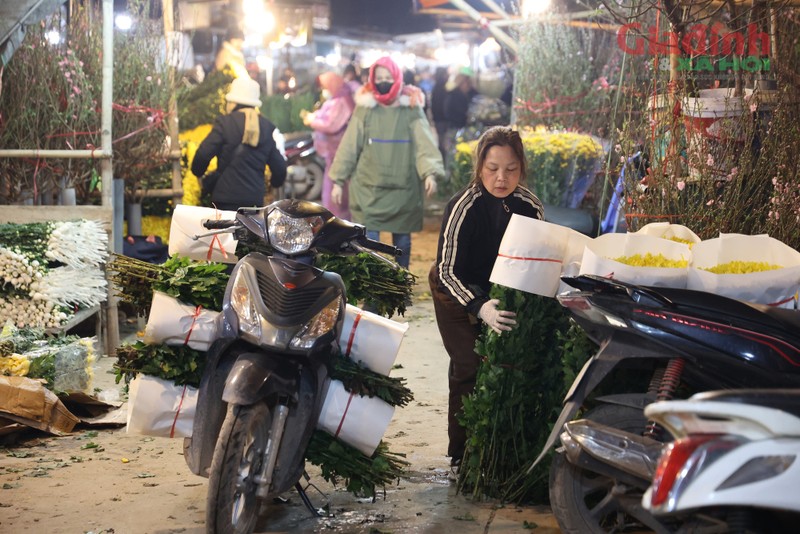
(384, 87)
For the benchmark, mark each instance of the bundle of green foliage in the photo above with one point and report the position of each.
(204, 102)
(284, 112)
(521, 382)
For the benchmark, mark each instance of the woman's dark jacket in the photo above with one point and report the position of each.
(241, 167)
(472, 227)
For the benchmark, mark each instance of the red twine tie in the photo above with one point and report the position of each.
(527, 259)
(197, 311)
(178, 412)
(341, 423)
(353, 332)
(216, 239)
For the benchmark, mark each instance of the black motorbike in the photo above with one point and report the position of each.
(655, 344)
(305, 167)
(262, 390)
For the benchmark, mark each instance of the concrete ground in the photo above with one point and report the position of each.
(105, 480)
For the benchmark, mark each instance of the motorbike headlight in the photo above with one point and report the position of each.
(244, 305)
(320, 324)
(291, 235)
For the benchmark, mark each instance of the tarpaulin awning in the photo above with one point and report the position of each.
(14, 16)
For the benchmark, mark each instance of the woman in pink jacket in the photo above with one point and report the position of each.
(329, 123)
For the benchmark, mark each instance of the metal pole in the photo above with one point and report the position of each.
(35, 153)
(475, 15)
(169, 27)
(106, 168)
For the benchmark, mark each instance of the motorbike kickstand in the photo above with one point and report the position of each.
(316, 512)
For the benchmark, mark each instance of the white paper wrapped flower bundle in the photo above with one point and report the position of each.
(175, 323)
(531, 256)
(158, 407)
(769, 270)
(638, 259)
(187, 222)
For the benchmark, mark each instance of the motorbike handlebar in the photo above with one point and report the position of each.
(211, 224)
(377, 246)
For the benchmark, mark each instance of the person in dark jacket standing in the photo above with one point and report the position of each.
(438, 98)
(473, 226)
(243, 144)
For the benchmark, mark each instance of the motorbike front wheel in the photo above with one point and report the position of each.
(583, 501)
(232, 505)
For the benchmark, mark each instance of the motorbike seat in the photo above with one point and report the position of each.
(787, 400)
(719, 306)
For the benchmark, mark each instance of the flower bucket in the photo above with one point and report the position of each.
(356, 420)
(714, 132)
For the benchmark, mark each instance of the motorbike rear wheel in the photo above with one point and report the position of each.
(583, 501)
(232, 505)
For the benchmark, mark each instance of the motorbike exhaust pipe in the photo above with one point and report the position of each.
(634, 454)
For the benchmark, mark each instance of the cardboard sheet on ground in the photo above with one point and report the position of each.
(187, 222)
(29, 402)
(776, 287)
(599, 254)
(531, 255)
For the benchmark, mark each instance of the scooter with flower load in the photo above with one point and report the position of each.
(262, 391)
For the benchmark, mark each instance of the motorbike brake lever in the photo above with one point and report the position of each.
(230, 230)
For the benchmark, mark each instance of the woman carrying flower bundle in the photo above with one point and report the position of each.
(472, 227)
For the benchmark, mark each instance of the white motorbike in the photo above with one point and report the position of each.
(735, 458)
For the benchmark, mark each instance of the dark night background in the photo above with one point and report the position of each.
(392, 17)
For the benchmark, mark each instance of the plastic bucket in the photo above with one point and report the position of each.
(714, 131)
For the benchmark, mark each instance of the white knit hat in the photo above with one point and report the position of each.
(244, 91)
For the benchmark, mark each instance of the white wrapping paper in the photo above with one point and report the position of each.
(531, 255)
(187, 222)
(598, 254)
(573, 256)
(667, 230)
(370, 339)
(777, 287)
(157, 407)
(356, 420)
(174, 323)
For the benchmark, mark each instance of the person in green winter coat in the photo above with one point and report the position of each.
(389, 157)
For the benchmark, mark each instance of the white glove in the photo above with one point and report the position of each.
(498, 320)
(336, 194)
(430, 185)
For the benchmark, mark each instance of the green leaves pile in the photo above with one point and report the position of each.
(360, 380)
(180, 364)
(361, 474)
(520, 385)
(369, 279)
(199, 283)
